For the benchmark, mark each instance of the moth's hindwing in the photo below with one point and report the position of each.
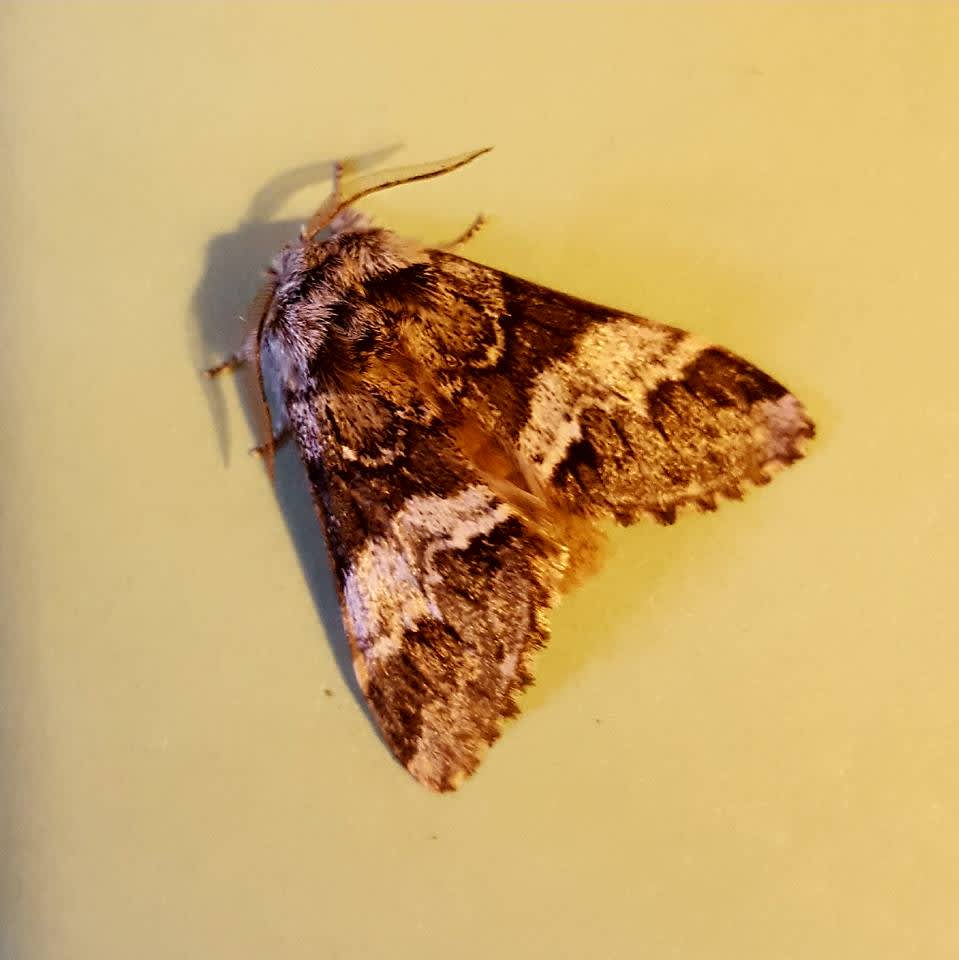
(462, 428)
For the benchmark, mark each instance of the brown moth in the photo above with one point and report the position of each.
(463, 431)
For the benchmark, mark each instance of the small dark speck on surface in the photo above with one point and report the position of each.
(327, 691)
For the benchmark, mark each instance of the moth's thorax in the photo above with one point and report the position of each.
(319, 285)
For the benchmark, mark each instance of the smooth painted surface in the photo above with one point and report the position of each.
(744, 738)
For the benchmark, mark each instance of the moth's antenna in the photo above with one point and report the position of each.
(265, 296)
(364, 186)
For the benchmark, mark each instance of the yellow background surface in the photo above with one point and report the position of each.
(743, 740)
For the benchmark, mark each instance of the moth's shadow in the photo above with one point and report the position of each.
(233, 270)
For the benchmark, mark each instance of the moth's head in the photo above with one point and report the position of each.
(287, 268)
(289, 319)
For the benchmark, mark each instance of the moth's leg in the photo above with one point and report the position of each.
(465, 236)
(279, 438)
(231, 363)
(339, 168)
(242, 356)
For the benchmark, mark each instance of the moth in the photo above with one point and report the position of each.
(464, 431)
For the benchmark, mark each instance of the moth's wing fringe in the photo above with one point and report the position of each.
(736, 491)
